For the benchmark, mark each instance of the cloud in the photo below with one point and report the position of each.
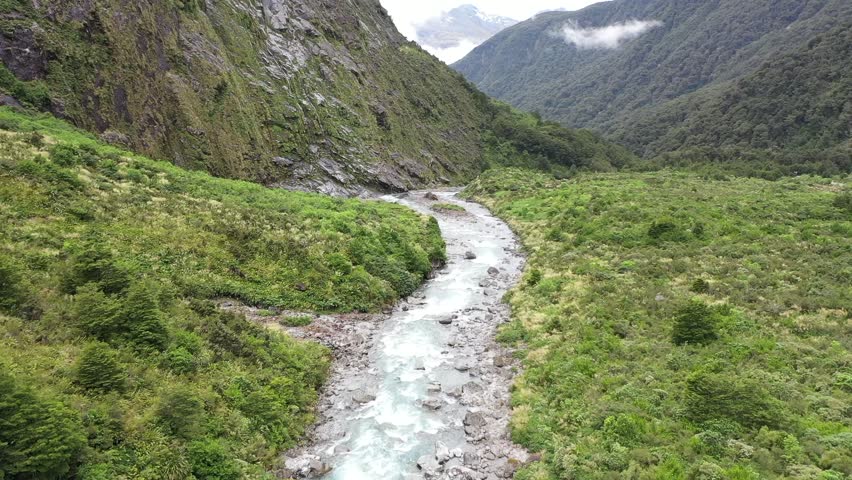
(608, 37)
(452, 54)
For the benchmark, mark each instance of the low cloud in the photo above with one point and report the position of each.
(608, 37)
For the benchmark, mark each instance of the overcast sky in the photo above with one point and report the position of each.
(408, 13)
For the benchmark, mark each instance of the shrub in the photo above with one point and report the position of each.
(298, 321)
(180, 411)
(180, 360)
(694, 324)
(98, 370)
(97, 314)
(38, 438)
(210, 461)
(142, 318)
(12, 294)
(700, 286)
(94, 263)
(658, 229)
(843, 201)
(36, 139)
(711, 397)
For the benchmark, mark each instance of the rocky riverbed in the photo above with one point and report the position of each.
(422, 391)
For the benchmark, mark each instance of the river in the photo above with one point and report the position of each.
(430, 399)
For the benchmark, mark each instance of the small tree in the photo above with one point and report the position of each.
(97, 314)
(141, 315)
(694, 324)
(98, 370)
(181, 412)
(38, 438)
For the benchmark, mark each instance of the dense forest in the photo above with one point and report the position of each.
(678, 327)
(114, 361)
(714, 79)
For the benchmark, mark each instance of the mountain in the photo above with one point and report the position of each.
(635, 70)
(464, 25)
(297, 94)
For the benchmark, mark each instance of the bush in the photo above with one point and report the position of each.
(700, 286)
(712, 397)
(658, 229)
(180, 411)
(97, 314)
(694, 324)
(12, 294)
(210, 461)
(98, 370)
(843, 201)
(141, 315)
(94, 263)
(38, 438)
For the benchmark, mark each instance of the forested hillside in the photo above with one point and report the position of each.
(678, 327)
(763, 75)
(114, 362)
(301, 95)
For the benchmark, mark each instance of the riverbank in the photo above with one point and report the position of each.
(423, 390)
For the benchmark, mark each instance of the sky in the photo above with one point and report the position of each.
(409, 13)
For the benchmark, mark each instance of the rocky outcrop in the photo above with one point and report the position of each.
(235, 86)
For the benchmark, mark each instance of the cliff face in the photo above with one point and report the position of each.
(317, 94)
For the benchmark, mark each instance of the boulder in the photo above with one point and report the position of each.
(493, 271)
(431, 196)
(469, 255)
(362, 397)
(442, 452)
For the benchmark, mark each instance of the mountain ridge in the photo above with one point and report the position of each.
(698, 46)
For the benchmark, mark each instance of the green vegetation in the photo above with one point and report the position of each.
(114, 361)
(298, 321)
(679, 327)
(760, 87)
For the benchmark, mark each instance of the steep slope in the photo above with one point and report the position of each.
(114, 361)
(305, 93)
(537, 65)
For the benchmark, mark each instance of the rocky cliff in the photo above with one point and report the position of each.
(316, 94)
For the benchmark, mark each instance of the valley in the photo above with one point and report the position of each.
(268, 239)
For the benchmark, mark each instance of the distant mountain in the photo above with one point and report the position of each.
(463, 25)
(661, 75)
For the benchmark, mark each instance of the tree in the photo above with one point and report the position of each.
(94, 263)
(38, 438)
(142, 318)
(181, 412)
(694, 324)
(97, 313)
(98, 370)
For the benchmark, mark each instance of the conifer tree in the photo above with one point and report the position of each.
(98, 370)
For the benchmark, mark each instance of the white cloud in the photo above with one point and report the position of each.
(452, 54)
(608, 37)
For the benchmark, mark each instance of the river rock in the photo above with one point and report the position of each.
(433, 403)
(469, 255)
(434, 388)
(501, 361)
(453, 341)
(431, 196)
(493, 271)
(442, 452)
(429, 466)
(475, 419)
(462, 365)
(458, 472)
(362, 397)
(471, 459)
(446, 320)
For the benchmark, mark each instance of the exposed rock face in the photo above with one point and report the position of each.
(235, 86)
